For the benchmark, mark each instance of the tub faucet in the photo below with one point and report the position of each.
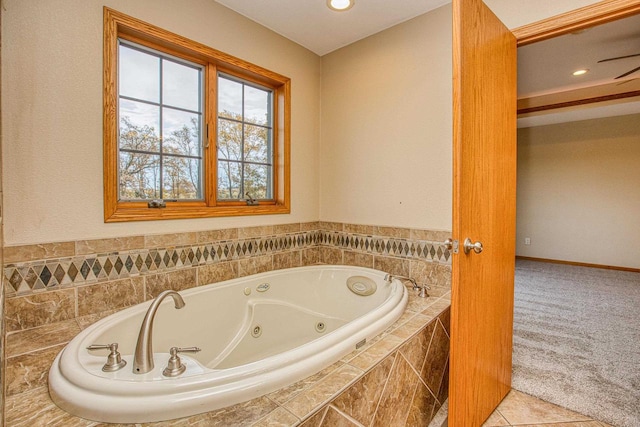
(416, 287)
(143, 358)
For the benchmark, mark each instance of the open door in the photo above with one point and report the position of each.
(484, 200)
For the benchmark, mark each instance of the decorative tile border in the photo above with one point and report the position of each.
(23, 278)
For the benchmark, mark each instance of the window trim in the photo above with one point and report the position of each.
(118, 25)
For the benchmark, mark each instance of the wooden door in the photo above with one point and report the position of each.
(484, 140)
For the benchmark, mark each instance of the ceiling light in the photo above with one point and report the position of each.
(580, 72)
(340, 5)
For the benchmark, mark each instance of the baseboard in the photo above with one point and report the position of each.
(580, 264)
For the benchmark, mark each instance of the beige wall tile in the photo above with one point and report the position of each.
(310, 399)
(330, 255)
(358, 259)
(286, 228)
(249, 232)
(309, 226)
(310, 256)
(392, 265)
(35, 408)
(287, 260)
(423, 271)
(110, 295)
(359, 229)
(316, 419)
(422, 407)
(178, 280)
(85, 321)
(395, 232)
(215, 235)
(255, 265)
(21, 342)
(153, 241)
(361, 399)
(85, 247)
(15, 254)
(219, 272)
(278, 418)
(377, 352)
(29, 371)
(411, 327)
(242, 414)
(436, 361)
(39, 309)
(287, 393)
(415, 350)
(398, 393)
(331, 226)
(430, 235)
(334, 418)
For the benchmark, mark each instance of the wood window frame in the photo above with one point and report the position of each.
(120, 26)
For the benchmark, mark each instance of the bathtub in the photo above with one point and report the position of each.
(257, 334)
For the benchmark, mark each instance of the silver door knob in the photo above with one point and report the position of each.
(448, 243)
(469, 246)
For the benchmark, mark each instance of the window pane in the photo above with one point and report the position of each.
(229, 140)
(181, 178)
(181, 132)
(139, 126)
(256, 106)
(138, 74)
(229, 180)
(256, 144)
(139, 176)
(257, 181)
(180, 86)
(229, 99)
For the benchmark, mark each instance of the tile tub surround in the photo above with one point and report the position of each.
(61, 281)
(414, 350)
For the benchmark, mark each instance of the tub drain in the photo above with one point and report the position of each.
(256, 331)
(320, 327)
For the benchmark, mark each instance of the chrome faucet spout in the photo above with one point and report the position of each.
(390, 277)
(143, 357)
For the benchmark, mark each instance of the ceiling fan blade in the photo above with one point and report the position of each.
(619, 57)
(627, 73)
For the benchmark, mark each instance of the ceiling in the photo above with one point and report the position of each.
(544, 68)
(313, 25)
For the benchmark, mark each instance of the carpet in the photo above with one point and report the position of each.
(576, 339)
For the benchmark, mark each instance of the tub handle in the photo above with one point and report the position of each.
(174, 365)
(114, 360)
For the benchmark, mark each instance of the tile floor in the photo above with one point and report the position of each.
(519, 409)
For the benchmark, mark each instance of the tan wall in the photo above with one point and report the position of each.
(578, 197)
(52, 109)
(386, 127)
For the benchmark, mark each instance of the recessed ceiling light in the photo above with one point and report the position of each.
(340, 5)
(580, 72)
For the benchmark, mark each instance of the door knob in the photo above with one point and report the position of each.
(451, 245)
(469, 246)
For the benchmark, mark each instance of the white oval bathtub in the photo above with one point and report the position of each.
(233, 366)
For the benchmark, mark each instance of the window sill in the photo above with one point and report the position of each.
(127, 214)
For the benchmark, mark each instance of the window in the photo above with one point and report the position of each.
(189, 131)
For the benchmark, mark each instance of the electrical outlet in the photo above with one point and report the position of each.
(527, 241)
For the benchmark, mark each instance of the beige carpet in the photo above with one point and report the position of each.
(577, 339)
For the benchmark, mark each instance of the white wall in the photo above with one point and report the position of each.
(516, 13)
(52, 112)
(386, 127)
(579, 191)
